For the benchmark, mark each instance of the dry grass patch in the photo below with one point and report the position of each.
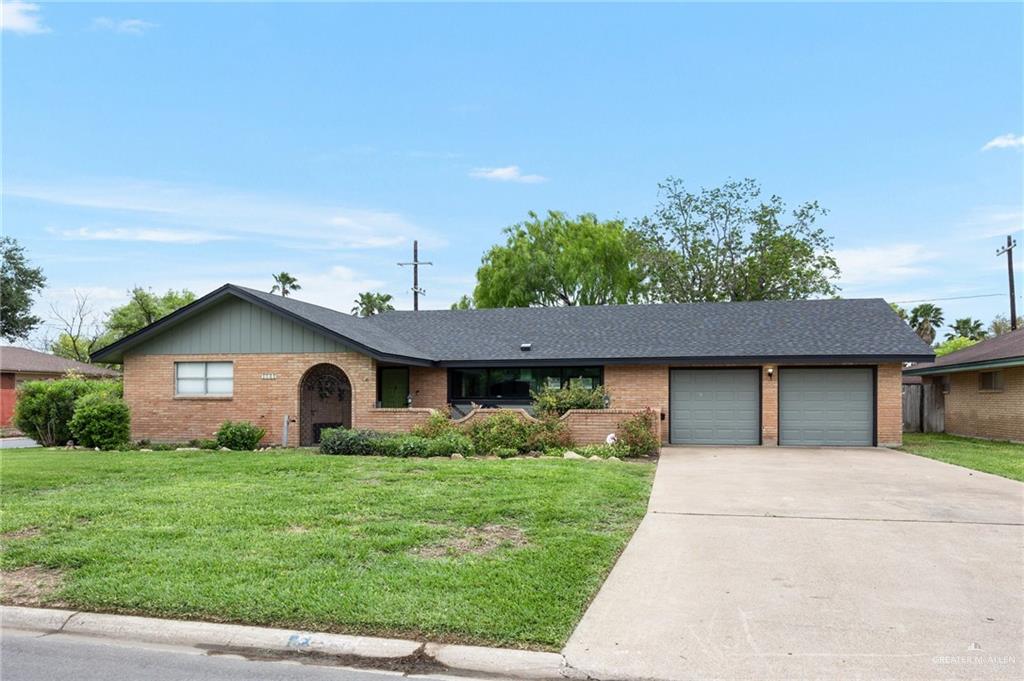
(29, 586)
(478, 541)
(23, 533)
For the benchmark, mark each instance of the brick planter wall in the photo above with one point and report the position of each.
(586, 426)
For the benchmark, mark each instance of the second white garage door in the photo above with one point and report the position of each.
(826, 406)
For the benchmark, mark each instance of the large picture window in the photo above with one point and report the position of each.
(515, 383)
(203, 378)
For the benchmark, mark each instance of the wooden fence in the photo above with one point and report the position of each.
(923, 408)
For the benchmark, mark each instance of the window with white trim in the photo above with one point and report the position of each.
(204, 378)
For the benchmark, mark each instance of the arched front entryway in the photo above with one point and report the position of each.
(325, 401)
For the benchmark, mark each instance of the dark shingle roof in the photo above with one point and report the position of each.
(30, 361)
(1006, 350)
(709, 331)
(799, 330)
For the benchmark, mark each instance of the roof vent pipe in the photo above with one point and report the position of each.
(525, 347)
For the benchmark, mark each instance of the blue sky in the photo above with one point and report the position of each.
(185, 145)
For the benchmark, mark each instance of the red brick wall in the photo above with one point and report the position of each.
(995, 415)
(770, 405)
(637, 386)
(889, 407)
(160, 416)
(429, 387)
(7, 398)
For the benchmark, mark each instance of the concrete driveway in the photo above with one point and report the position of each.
(757, 563)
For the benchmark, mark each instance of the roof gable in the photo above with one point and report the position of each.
(1004, 350)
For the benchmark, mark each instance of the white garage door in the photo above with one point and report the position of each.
(826, 406)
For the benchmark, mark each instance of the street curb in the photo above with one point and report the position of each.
(351, 651)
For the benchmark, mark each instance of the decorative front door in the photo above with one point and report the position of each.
(325, 401)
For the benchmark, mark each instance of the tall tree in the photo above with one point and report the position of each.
(369, 304)
(727, 243)
(900, 311)
(19, 282)
(925, 319)
(464, 303)
(1001, 324)
(559, 260)
(142, 309)
(972, 329)
(80, 331)
(284, 284)
(953, 344)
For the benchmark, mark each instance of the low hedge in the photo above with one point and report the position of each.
(101, 419)
(44, 409)
(241, 435)
(344, 442)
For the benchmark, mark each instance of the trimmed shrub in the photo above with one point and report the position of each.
(240, 435)
(635, 435)
(503, 452)
(557, 401)
(347, 442)
(505, 429)
(549, 433)
(451, 442)
(44, 409)
(101, 419)
(603, 451)
(438, 424)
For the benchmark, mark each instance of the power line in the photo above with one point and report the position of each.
(935, 300)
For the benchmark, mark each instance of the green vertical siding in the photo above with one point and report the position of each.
(236, 326)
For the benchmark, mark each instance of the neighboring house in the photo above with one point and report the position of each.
(983, 387)
(814, 372)
(18, 365)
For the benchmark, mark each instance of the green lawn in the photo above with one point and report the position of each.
(498, 552)
(1001, 458)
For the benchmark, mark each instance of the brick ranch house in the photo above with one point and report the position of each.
(815, 372)
(982, 386)
(18, 365)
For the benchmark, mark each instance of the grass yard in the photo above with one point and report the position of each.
(1000, 458)
(486, 551)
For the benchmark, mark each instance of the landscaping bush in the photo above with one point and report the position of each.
(451, 442)
(348, 442)
(44, 409)
(503, 452)
(504, 429)
(438, 424)
(557, 401)
(240, 435)
(101, 419)
(603, 451)
(635, 435)
(549, 433)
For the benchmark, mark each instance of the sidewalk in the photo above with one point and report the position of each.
(360, 652)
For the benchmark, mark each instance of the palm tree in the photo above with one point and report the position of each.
(972, 329)
(284, 284)
(925, 319)
(368, 304)
(900, 312)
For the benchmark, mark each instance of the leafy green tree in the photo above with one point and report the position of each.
(925, 319)
(557, 260)
(953, 344)
(464, 303)
(728, 243)
(284, 284)
(144, 308)
(19, 282)
(973, 329)
(1001, 324)
(900, 312)
(369, 304)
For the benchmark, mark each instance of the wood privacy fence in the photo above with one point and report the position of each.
(923, 408)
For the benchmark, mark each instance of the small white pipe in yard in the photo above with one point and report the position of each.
(284, 431)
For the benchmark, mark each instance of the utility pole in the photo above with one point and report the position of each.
(416, 290)
(1008, 250)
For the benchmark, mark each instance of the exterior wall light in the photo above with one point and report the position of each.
(771, 372)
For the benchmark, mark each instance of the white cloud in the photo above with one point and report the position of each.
(128, 26)
(225, 213)
(883, 264)
(21, 17)
(506, 174)
(163, 236)
(1007, 141)
(993, 221)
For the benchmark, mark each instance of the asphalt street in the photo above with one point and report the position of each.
(31, 656)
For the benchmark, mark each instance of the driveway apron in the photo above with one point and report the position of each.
(786, 563)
